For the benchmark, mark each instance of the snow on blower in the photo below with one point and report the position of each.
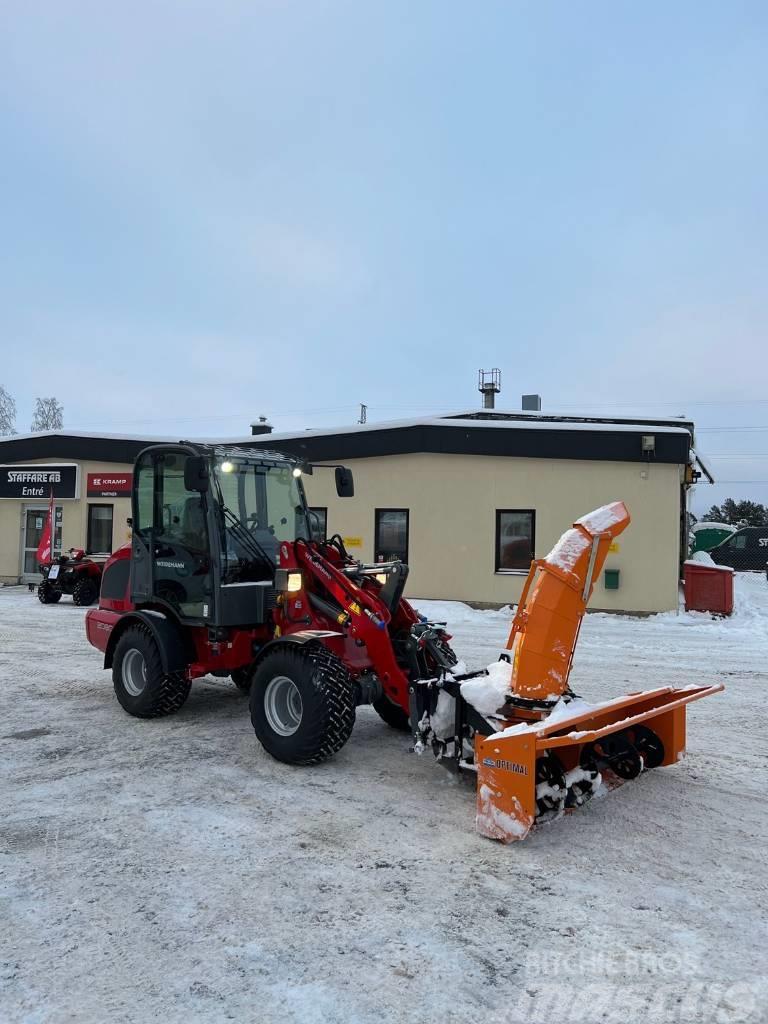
(223, 576)
(537, 748)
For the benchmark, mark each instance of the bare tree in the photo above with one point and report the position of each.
(49, 414)
(7, 413)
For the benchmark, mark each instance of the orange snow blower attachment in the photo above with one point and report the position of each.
(554, 600)
(551, 749)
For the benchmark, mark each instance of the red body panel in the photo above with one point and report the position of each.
(122, 603)
(363, 631)
(99, 623)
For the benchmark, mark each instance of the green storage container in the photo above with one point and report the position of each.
(611, 577)
(706, 536)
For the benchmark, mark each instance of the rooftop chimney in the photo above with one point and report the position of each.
(262, 426)
(489, 385)
(531, 403)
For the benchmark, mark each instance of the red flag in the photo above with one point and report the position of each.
(45, 547)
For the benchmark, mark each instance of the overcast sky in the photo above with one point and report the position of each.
(211, 211)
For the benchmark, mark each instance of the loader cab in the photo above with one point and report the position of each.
(207, 525)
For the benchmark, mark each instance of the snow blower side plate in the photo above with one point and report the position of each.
(516, 782)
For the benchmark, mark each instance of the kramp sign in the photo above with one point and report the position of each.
(109, 485)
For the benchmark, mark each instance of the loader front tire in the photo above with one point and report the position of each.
(392, 714)
(141, 686)
(302, 704)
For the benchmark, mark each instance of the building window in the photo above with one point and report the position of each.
(391, 539)
(100, 529)
(318, 521)
(515, 539)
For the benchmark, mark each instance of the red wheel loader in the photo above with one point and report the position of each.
(223, 577)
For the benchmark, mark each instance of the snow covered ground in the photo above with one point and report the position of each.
(171, 870)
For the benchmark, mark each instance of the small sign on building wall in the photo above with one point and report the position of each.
(37, 481)
(353, 542)
(109, 485)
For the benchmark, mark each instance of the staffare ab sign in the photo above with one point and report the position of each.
(37, 482)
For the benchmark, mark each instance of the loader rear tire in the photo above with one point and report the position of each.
(302, 704)
(392, 714)
(141, 686)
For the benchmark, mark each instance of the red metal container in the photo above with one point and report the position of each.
(708, 589)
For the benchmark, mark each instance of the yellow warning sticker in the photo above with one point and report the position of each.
(615, 547)
(353, 542)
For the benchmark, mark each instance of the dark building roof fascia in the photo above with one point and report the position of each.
(603, 444)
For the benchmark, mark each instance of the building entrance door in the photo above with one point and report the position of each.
(32, 524)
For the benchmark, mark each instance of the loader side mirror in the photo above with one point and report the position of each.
(345, 484)
(195, 474)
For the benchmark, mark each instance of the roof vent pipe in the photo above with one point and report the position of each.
(489, 385)
(262, 426)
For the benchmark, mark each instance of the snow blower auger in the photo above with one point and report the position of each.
(538, 749)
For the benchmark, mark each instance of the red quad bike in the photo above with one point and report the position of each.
(223, 577)
(71, 573)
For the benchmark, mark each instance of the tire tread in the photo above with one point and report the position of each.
(166, 696)
(331, 728)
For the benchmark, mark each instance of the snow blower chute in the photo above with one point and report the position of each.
(538, 749)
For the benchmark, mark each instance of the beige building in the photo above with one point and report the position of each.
(467, 500)
(91, 497)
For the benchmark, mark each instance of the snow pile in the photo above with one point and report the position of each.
(561, 713)
(704, 558)
(486, 693)
(456, 612)
(444, 716)
(713, 526)
(603, 518)
(573, 543)
(566, 553)
(497, 824)
(459, 669)
(565, 709)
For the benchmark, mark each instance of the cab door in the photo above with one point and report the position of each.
(142, 507)
(171, 552)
